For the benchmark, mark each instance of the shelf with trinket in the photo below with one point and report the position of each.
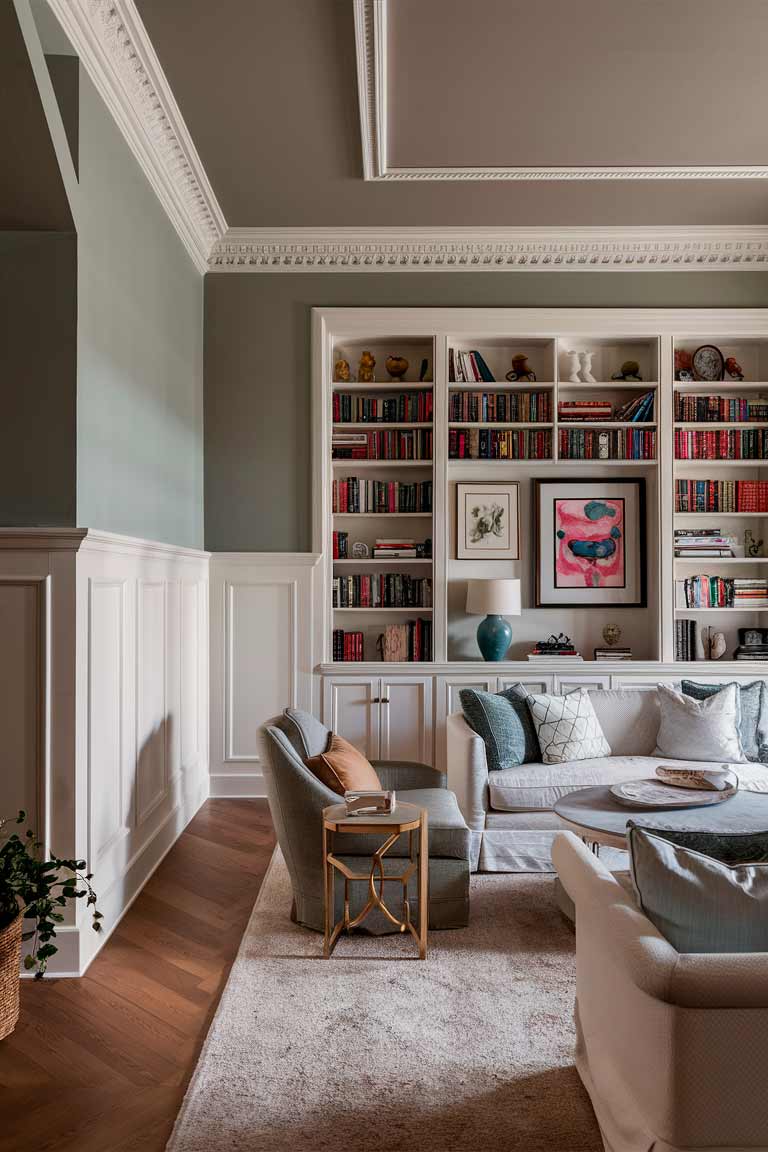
(501, 364)
(584, 361)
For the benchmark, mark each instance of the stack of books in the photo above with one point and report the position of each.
(614, 655)
(719, 592)
(721, 496)
(546, 650)
(347, 646)
(750, 593)
(637, 410)
(751, 652)
(685, 639)
(465, 367)
(690, 544)
(723, 444)
(398, 548)
(578, 410)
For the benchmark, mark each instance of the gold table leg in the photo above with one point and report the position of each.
(423, 885)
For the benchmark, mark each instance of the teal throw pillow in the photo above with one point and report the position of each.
(753, 725)
(503, 722)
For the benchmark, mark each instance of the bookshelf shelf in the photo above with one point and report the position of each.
(714, 425)
(381, 515)
(385, 611)
(609, 386)
(377, 425)
(354, 464)
(719, 611)
(498, 424)
(384, 386)
(500, 385)
(703, 465)
(607, 424)
(721, 515)
(717, 561)
(704, 388)
(391, 564)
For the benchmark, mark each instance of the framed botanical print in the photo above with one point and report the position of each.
(487, 522)
(589, 543)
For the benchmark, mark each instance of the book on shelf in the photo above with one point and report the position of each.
(340, 543)
(572, 657)
(721, 496)
(410, 642)
(500, 407)
(407, 408)
(685, 639)
(706, 591)
(352, 495)
(491, 444)
(347, 646)
(638, 410)
(708, 543)
(721, 444)
(613, 654)
(576, 410)
(385, 590)
(386, 444)
(613, 444)
(468, 367)
(402, 549)
(695, 409)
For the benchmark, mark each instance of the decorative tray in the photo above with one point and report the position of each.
(654, 794)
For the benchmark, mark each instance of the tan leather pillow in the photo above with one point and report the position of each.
(342, 768)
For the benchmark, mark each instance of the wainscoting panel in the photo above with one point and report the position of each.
(106, 718)
(261, 658)
(153, 721)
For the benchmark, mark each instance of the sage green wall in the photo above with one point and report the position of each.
(257, 368)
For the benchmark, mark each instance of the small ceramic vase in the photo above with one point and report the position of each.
(585, 359)
(573, 368)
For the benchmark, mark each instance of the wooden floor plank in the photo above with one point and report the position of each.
(101, 1064)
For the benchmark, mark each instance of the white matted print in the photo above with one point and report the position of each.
(487, 522)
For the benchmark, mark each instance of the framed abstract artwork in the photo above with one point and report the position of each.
(589, 543)
(487, 522)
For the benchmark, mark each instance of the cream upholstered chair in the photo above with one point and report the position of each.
(672, 1048)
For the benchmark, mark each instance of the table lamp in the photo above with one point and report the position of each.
(494, 599)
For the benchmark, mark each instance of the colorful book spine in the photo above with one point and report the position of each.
(611, 444)
(490, 444)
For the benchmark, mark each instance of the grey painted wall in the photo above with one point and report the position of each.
(257, 369)
(38, 310)
(140, 349)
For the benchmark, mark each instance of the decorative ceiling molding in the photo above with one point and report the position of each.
(113, 46)
(489, 249)
(371, 50)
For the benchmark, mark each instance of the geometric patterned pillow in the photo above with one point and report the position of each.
(567, 727)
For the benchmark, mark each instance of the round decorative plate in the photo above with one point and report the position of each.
(708, 363)
(654, 794)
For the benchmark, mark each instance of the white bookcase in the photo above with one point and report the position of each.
(545, 336)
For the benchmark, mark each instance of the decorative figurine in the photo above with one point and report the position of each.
(733, 368)
(752, 547)
(397, 366)
(717, 645)
(630, 370)
(365, 369)
(603, 446)
(573, 368)
(611, 634)
(521, 369)
(683, 364)
(423, 370)
(360, 551)
(585, 369)
(341, 372)
(708, 363)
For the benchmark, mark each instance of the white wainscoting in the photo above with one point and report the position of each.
(261, 658)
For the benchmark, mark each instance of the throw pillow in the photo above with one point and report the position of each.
(567, 727)
(697, 902)
(342, 768)
(700, 729)
(502, 720)
(753, 729)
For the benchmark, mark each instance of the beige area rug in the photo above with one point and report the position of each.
(373, 1050)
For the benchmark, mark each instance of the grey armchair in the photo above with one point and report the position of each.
(297, 799)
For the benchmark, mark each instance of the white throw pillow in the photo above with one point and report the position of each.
(700, 729)
(567, 727)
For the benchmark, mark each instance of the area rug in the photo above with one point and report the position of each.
(469, 1050)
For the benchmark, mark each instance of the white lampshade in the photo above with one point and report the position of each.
(493, 597)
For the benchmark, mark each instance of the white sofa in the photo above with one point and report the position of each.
(672, 1048)
(510, 812)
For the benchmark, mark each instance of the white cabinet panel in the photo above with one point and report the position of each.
(406, 719)
(566, 684)
(22, 631)
(538, 684)
(450, 686)
(190, 674)
(105, 714)
(351, 708)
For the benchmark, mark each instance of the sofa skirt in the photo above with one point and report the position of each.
(530, 849)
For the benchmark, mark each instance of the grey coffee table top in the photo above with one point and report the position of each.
(596, 815)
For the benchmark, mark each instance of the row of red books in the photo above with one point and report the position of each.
(347, 645)
(721, 496)
(722, 444)
(390, 444)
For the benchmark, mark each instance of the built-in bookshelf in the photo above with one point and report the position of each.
(513, 395)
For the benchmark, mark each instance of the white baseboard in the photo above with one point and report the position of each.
(242, 786)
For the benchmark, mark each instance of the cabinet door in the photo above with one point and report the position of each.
(406, 718)
(588, 680)
(351, 708)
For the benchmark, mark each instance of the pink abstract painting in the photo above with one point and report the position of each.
(589, 543)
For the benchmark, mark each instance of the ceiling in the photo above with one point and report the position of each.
(268, 92)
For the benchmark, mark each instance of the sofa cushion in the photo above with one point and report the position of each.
(447, 832)
(700, 729)
(307, 735)
(753, 727)
(503, 722)
(629, 719)
(537, 787)
(567, 727)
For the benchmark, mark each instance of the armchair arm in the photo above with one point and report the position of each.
(407, 774)
(467, 770)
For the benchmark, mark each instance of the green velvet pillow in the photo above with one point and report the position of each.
(753, 726)
(503, 721)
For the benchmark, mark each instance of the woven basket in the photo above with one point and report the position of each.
(10, 960)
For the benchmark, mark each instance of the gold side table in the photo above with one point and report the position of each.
(405, 818)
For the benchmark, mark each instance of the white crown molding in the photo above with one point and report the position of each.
(113, 46)
(371, 50)
(490, 249)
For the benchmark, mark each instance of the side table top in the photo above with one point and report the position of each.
(404, 817)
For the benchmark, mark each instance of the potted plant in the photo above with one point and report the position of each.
(33, 889)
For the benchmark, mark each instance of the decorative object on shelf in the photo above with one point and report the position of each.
(423, 370)
(630, 370)
(753, 644)
(521, 369)
(360, 551)
(590, 543)
(573, 368)
(717, 645)
(341, 373)
(683, 364)
(585, 367)
(708, 363)
(603, 446)
(397, 366)
(733, 368)
(752, 547)
(494, 599)
(365, 369)
(487, 522)
(612, 634)
(555, 647)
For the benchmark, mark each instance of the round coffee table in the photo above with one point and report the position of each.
(598, 818)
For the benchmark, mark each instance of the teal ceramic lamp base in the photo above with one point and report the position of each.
(494, 636)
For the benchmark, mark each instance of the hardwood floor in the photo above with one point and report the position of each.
(101, 1064)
